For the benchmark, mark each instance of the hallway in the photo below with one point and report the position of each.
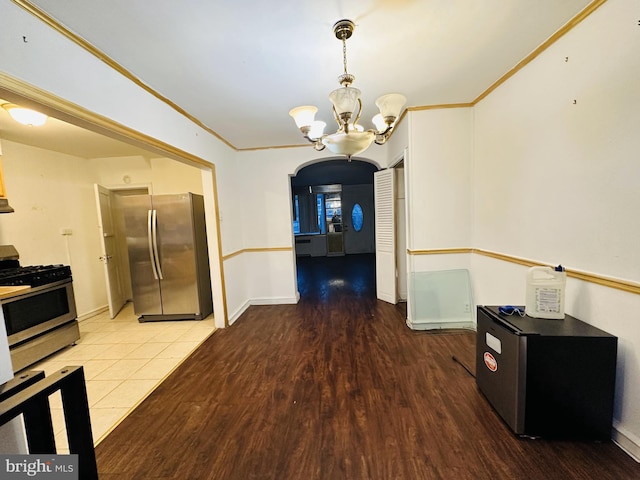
(327, 279)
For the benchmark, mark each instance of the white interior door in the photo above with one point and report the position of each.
(115, 295)
(384, 194)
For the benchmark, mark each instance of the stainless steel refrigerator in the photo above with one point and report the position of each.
(168, 256)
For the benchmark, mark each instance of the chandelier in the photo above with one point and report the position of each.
(350, 138)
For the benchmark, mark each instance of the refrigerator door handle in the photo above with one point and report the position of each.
(156, 253)
(150, 229)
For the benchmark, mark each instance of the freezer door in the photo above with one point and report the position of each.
(144, 284)
(176, 248)
(501, 369)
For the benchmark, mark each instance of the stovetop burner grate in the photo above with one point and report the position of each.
(34, 276)
(11, 273)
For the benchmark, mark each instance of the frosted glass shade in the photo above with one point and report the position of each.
(390, 105)
(317, 129)
(303, 116)
(345, 100)
(348, 144)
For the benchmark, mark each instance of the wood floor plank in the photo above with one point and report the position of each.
(335, 387)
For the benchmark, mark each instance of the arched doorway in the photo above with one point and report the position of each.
(333, 216)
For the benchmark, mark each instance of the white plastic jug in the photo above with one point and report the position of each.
(545, 292)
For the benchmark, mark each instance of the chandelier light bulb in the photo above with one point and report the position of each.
(317, 130)
(379, 123)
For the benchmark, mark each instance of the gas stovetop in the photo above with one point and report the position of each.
(34, 275)
(11, 273)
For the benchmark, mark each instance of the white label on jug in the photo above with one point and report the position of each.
(493, 342)
(548, 300)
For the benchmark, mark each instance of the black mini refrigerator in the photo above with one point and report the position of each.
(547, 378)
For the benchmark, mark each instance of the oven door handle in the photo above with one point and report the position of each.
(156, 252)
(150, 231)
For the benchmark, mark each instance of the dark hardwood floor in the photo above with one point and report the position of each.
(335, 387)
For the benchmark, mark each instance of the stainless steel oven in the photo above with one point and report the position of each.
(41, 318)
(39, 322)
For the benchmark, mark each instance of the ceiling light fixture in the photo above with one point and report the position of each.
(350, 138)
(25, 116)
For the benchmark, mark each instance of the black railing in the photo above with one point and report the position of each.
(32, 402)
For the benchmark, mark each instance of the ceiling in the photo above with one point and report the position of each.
(239, 67)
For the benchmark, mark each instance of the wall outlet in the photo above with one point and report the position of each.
(66, 231)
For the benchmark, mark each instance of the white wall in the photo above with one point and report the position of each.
(266, 216)
(438, 182)
(551, 173)
(439, 178)
(558, 181)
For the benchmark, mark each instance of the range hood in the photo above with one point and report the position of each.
(4, 206)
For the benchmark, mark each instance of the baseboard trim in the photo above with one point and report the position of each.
(238, 312)
(463, 324)
(93, 313)
(627, 441)
(274, 301)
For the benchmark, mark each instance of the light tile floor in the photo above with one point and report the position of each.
(124, 360)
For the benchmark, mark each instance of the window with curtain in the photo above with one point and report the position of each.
(315, 207)
(309, 213)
